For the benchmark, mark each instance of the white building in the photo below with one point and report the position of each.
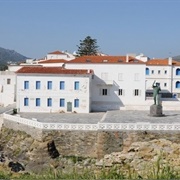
(53, 89)
(7, 88)
(60, 55)
(167, 73)
(119, 81)
(142, 57)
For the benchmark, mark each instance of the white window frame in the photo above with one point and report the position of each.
(136, 76)
(104, 76)
(120, 76)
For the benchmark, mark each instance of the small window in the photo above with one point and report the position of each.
(120, 76)
(76, 103)
(152, 72)
(147, 71)
(49, 85)
(38, 84)
(62, 102)
(26, 101)
(136, 76)
(26, 84)
(62, 85)
(8, 81)
(104, 76)
(38, 101)
(49, 102)
(178, 71)
(159, 72)
(165, 72)
(104, 92)
(120, 92)
(76, 85)
(178, 84)
(165, 84)
(136, 92)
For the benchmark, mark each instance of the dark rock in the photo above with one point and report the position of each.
(2, 158)
(53, 152)
(15, 167)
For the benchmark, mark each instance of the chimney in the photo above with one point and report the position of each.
(127, 58)
(170, 61)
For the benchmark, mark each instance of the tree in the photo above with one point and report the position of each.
(88, 46)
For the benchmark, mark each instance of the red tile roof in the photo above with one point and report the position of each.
(105, 59)
(52, 61)
(51, 70)
(56, 52)
(161, 62)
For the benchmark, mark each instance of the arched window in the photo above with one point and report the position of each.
(177, 71)
(177, 84)
(147, 71)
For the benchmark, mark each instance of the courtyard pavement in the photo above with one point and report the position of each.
(118, 116)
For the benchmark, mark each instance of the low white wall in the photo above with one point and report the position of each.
(91, 127)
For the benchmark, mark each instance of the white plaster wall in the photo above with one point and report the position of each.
(57, 56)
(69, 93)
(14, 68)
(67, 56)
(7, 91)
(51, 64)
(128, 84)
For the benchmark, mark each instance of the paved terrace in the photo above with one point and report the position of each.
(129, 116)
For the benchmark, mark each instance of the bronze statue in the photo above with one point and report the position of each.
(156, 89)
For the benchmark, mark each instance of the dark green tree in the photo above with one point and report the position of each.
(88, 47)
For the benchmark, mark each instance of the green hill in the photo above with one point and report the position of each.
(9, 56)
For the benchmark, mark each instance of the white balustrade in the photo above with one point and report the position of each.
(94, 127)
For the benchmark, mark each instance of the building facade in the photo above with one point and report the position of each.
(53, 89)
(7, 88)
(118, 81)
(167, 73)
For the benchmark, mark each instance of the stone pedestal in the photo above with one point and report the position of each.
(156, 111)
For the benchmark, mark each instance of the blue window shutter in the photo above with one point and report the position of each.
(62, 102)
(38, 84)
(76, 85)
(49, 85)
(76, 103)
(26, 101)
(62, 85)
(178, 71)
(26, 84)
(38, 102)
(49, 102)
(147, 71)
(177, 84)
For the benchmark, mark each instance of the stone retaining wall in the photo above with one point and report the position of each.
(92, 143)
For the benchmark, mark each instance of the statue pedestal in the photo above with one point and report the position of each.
(156, 111)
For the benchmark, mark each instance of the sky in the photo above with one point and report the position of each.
(36, 27)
